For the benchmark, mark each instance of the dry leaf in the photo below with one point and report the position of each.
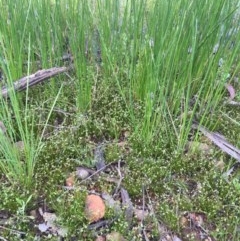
(50, 218)
(220, 141)
(220, 165)
(50, 223)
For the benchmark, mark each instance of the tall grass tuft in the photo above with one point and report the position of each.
(20, 145)
(174, 57)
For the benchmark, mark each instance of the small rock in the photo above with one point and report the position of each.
(95, 208)
(82, 173)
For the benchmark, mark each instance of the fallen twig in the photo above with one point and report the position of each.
(120, 178)
(33, 79)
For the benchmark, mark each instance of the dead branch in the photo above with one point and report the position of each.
(33, 79)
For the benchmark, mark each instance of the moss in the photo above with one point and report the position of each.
(74, 203)
(113, 152)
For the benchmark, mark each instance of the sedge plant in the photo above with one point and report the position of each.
(171, 56)
(19, 144)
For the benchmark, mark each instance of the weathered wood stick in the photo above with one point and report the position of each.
(33, 79)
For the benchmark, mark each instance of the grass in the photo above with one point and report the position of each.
(143, 71)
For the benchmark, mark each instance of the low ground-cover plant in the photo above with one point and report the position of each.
(142, 73)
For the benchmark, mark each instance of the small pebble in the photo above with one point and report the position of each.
(82, 174)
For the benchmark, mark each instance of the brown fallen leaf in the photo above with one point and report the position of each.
(219, 165)
(94, 208)
(122, 144)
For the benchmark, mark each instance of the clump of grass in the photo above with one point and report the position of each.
(172, 58)
(17, 163)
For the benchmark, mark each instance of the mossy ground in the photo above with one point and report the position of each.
(175, 183)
